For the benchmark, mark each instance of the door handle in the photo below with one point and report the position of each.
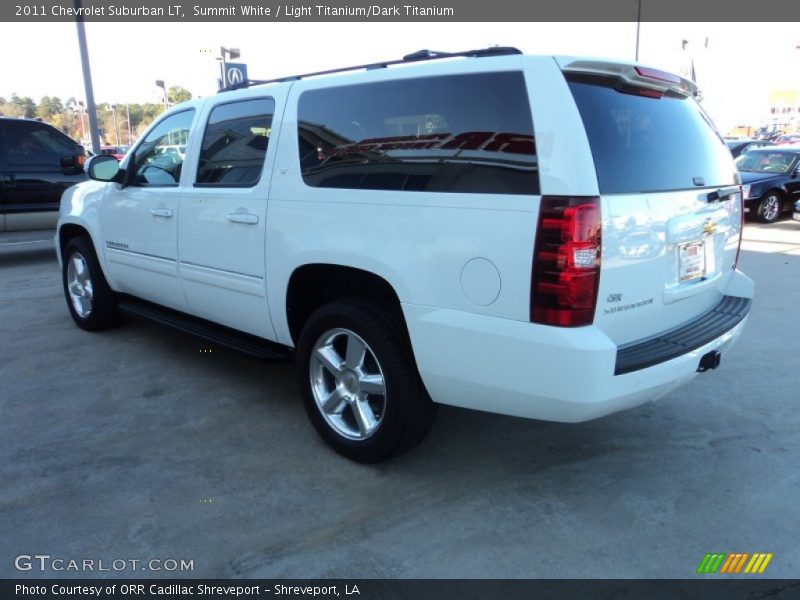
(247, 218)
(723, 193)
(161, 212)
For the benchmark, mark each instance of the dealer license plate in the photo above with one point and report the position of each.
(691, 261)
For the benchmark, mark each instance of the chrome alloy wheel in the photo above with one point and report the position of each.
(79, 284)
(772, 206)
(347, 383)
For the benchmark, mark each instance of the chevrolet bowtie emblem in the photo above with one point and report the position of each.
(709, 226)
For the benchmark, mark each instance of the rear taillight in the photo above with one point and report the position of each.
(566, 261)
(741, 224)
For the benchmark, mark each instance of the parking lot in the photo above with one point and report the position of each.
(144, 443)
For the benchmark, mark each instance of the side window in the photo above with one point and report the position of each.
(159, 158)
(459, 133)
(235, 143)
(29, 144)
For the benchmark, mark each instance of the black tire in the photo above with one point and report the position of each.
(765, 211)
(103, 312)
(406, 411)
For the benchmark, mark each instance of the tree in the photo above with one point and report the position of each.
(65, 115)
(177, 94)
(49, 106)
(23, 107)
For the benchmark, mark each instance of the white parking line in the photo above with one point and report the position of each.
(4, 244)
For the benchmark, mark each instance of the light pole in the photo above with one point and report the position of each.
(113, 109)
(85, 140)
(128, 112)
(160, 83)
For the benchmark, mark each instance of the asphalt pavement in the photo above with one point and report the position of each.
(143, 443)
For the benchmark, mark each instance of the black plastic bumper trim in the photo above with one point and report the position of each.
(716, 322)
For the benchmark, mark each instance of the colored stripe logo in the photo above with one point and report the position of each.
(736, 562)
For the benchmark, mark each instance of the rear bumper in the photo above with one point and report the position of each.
(528, 370)
(708, 327)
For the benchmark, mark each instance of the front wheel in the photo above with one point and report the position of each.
(361, 389)
(90, 300)
(769, 207)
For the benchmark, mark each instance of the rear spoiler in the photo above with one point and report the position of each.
(633, 74)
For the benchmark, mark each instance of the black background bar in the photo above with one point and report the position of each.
(405, 11)
(708, 588)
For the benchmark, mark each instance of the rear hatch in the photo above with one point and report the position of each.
(669, 198)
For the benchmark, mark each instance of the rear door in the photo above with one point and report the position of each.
(793, 185)
(669, 243)
(222, 224)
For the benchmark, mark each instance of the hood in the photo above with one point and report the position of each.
(750, 177)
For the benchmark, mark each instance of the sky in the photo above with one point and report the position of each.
(734, 71)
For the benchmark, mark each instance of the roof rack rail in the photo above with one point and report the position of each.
(419, 56)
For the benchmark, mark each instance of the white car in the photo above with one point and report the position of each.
(546, 237)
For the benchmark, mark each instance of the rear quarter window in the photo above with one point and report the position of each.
(460, 133)
(646, 144)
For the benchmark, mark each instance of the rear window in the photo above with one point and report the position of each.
(459, 133)
(646, 144)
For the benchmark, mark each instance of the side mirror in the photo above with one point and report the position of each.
(103, 167)
(72, 165)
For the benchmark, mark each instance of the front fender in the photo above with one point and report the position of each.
(80, 206)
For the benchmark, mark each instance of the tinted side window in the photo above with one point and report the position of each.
(648, 144)
(235, 143)
(159, 158)
(29, 144)
(459, 133)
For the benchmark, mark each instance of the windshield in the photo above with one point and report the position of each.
(765, 162)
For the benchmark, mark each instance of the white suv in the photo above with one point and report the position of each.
(546, 237)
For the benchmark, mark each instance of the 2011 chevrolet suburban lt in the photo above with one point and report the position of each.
(547, 237)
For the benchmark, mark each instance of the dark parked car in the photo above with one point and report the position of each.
(37, 163)
(769, 135)
(784, 140)
(117, 152)
(739, 147)
(771, 180)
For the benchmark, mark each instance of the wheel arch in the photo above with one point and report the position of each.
(314, 284)
(68, 231)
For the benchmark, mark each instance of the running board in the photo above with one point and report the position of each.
(224, 336)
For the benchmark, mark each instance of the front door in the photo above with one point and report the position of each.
(140, 229)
